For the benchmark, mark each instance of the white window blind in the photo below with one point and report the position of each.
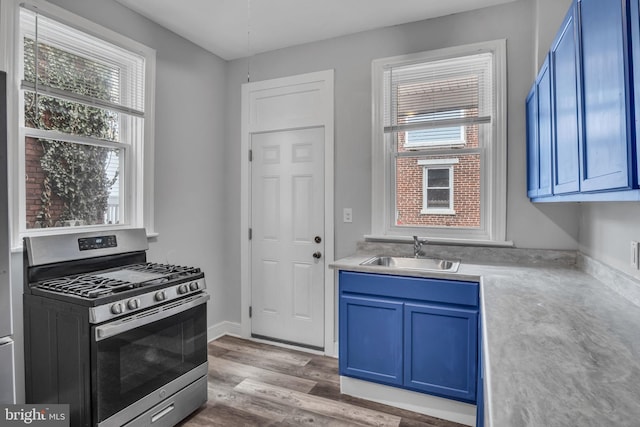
(84, 60)
(430, 95)
(453, 135)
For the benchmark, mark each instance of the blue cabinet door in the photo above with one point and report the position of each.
(543, 90)
(634, 16)
(539, 135)
(564, 72)
(480, 385)
(440, 350)
(371, 339)
(606, 150)
(532, 143)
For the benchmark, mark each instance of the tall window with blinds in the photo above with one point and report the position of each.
(437, 123)
(82, 125)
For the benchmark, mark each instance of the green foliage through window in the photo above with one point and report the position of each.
(75, 173)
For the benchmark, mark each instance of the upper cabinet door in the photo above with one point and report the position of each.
(532, 143)
(634, 17)
(564, 72)
(543, 90)
(606, 151)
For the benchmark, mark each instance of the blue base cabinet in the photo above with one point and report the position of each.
(416, 333)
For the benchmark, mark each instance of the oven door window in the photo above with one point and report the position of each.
(137, 362)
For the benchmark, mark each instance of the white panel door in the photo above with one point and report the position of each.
(287, 219)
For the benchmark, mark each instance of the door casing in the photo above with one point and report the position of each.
(314, 106)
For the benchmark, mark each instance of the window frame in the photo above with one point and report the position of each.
(492, 230)
(438, 164)
(139, 167)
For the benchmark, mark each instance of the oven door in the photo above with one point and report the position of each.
(144, 358)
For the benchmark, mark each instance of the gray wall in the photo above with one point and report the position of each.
(548, 17)
(190, 181)
(528, 225)
(189, 166)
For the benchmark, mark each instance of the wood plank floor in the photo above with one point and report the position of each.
(254, 384)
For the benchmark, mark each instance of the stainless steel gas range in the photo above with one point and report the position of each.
(121, 340)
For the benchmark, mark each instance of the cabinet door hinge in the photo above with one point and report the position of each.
(250, 311)
(250, 233)
(250, 155)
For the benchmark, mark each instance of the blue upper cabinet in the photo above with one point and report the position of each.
(539, 135)
(566, 115)
(606, 157)
(592, 66)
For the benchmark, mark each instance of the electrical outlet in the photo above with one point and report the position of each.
(347, 215)
(634, 254)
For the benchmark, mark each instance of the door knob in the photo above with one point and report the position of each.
(317, 255)
(318, 239)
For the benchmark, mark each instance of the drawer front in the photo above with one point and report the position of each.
(406, 287)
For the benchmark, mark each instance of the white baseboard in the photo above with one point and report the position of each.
(223, 328)
(446, 409)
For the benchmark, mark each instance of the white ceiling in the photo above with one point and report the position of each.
(238, 28)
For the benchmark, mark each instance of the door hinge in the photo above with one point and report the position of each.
(250, 311)
(250, 233)
(250, 155)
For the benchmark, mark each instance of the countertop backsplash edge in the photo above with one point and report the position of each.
(621, 283)
(500, 255)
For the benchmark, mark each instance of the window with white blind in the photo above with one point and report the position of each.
(86, 120)
(439, 127)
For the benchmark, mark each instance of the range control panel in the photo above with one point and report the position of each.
(98, 242)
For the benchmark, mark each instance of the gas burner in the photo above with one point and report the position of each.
(109, 282)
(87, 286)
(165, 269)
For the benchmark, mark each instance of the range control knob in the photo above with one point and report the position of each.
(183, 289)
(160, 296)
(133, 303)
(194, 286)
(116, 308)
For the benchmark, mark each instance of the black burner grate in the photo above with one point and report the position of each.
(100, 284)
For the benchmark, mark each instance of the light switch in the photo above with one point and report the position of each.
(347, 215)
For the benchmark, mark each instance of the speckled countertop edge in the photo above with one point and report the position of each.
(560, 348)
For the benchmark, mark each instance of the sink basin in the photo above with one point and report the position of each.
(422, 264)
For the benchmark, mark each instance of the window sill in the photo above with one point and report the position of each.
(440, 241)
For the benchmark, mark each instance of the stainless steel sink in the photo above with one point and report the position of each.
(410, 263)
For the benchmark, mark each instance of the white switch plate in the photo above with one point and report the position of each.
(347, 215)
(634, 254)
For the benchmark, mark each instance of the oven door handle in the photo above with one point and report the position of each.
(144, 317)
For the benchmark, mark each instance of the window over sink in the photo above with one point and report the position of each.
(439, 149)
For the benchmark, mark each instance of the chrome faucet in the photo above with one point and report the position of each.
(417, 245)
